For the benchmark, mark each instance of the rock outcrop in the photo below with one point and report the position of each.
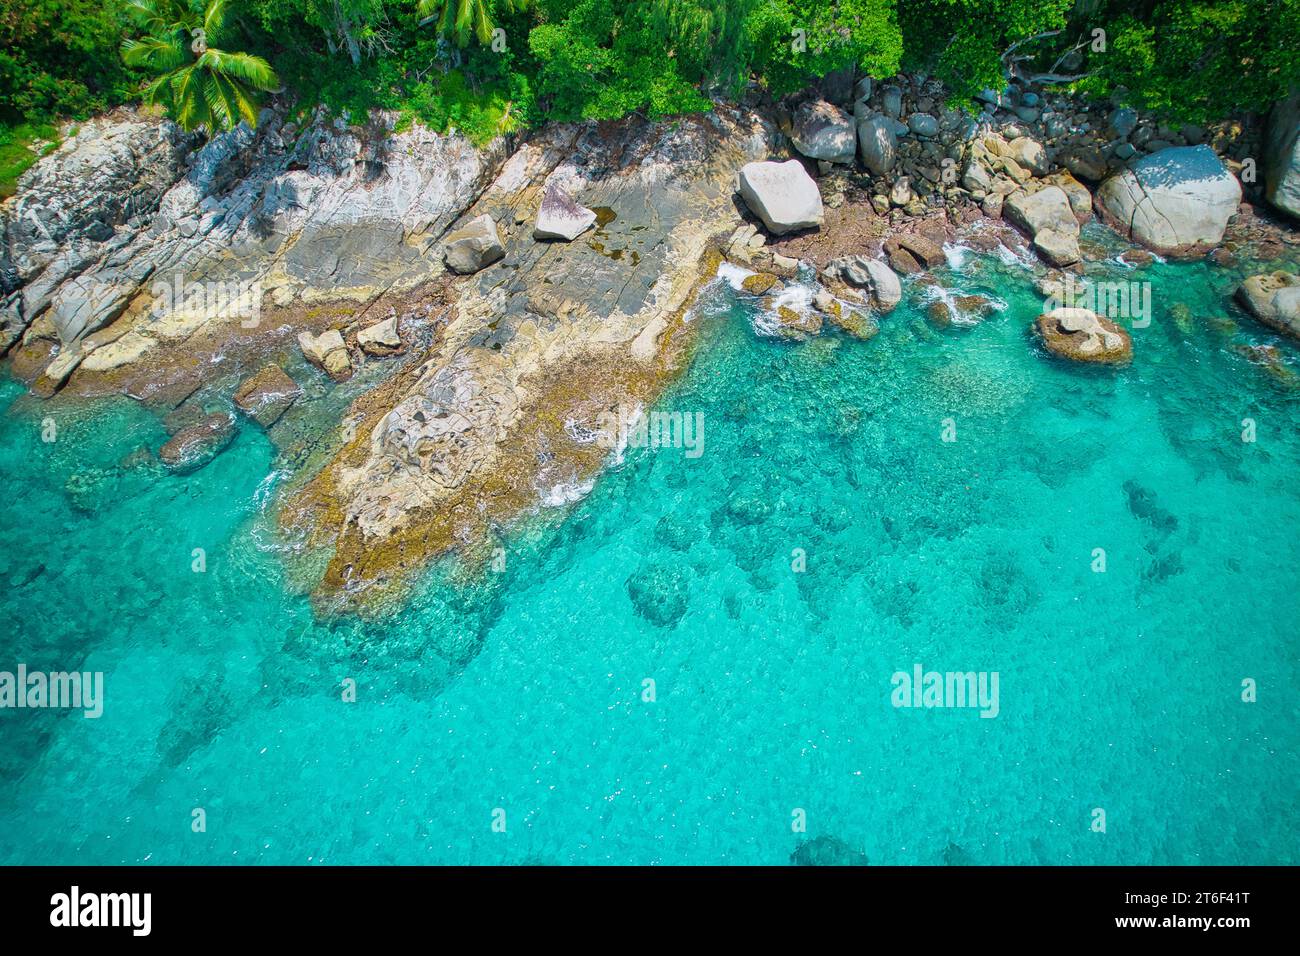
(1047, 218)
(1084, 336)
(147, 254)
(783, 195)
(490, 421)
(1273, 299)
(1176, 201)
(474, 246)
(823, 131)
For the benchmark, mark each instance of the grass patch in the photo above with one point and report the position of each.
(20, 147)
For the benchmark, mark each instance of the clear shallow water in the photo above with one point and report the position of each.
(522, 691)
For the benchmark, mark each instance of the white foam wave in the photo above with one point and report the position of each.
(565, 493)
(957, 255)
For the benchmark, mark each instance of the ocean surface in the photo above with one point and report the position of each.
(651, 681)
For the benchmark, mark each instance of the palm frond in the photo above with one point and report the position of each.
(214, 17)
(192, 109)
(160, 54)
(244, 67)
(157, 16)
(223, 111)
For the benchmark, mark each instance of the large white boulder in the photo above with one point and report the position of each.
(783, 195)
(823, 131)
(1177, 200)
(559, 217)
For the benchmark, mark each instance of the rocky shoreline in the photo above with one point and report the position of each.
(422, 327)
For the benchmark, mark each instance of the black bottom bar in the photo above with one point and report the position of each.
(213, 905)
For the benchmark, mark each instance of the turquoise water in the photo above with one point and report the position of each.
(523, 690)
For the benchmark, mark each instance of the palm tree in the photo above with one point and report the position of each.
(459, 18)
(200, 85)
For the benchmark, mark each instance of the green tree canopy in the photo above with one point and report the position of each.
(199, 85)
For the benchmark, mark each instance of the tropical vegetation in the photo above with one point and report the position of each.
(489, 66)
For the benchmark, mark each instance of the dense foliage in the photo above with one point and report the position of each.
(488, 66)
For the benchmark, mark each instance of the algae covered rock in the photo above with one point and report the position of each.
(195, 445)
(659, 594)
(760, 283)
(1274, 299)
(1084, 336)
(267, 395)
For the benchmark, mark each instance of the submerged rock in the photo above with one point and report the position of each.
(195, 445)
(796, 324)
(658, 594)
(1176, 201)
(1273, 299)
(474, 246)
(267, 395)
(783, 195)
(854, 323)
(966, 309)
(1084, 336)
(826, 851)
